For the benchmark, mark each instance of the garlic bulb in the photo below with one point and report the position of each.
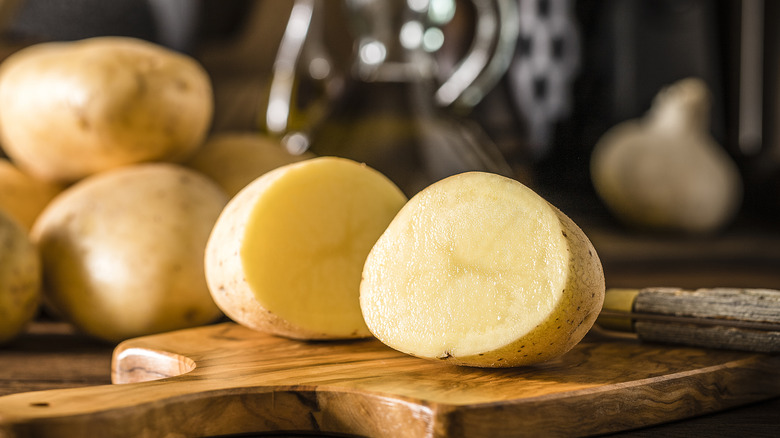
(665, 171)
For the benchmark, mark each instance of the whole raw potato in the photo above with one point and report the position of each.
(123, 250)
(236, 158)
(71, 109)
(20, 278)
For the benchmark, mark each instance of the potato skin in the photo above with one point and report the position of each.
(23, 196)
(20, 278)
(235, 158)
(123, 250)
(72, 109)
(574, 315)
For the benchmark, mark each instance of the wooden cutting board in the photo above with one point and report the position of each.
(226, 379)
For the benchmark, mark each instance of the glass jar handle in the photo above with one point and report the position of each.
(488, 58)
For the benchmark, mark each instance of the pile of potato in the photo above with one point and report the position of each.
(112, 184)
(139, 224)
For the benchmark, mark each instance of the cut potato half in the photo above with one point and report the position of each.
(286, 255)
(479, 270)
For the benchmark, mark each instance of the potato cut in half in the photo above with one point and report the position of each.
(479, 270)
(286, 255)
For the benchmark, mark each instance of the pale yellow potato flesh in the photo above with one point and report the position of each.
(73, 109)
(287, 253)
(123, 250)
(20, 278)
(235, 158)
(22, 195)
(479, 270)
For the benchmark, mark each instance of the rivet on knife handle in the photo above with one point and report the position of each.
(728, 318)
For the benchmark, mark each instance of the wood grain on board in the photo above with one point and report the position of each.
(226, 379)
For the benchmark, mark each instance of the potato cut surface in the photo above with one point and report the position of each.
(480, 270)
(286, 255)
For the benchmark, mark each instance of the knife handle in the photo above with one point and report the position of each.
(729, 318)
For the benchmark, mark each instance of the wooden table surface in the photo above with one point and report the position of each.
(52, 355)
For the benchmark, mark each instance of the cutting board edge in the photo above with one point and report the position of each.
(324, 408)
(624, 416)
(445, 416)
